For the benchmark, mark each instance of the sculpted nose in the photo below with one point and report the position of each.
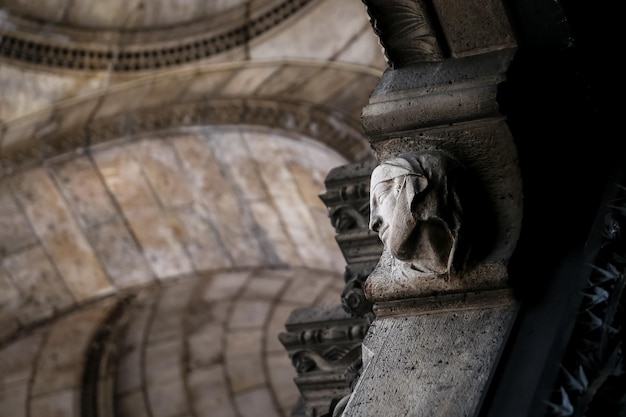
(375, 222)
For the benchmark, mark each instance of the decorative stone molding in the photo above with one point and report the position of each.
(130, 52)
(333, 129)
(323, 344)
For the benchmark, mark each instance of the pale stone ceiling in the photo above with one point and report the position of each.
(188, 183)
(123, 14)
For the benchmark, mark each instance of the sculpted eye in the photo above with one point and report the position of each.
(382, 191)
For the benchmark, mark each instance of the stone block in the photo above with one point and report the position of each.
(64, 241)
(119, 253)
(218, 201)
(208, 393)
(34, 275)
(163, 361)
(158, 234)
(276, 325)
(249, 314)
(249, 403)
(65, 403)
(435, 361)
(201, 241)
(306, 287)
(80, 183)
(124, 178)
(264, 287)
(288, 77)
(130, 369)
(474, 27)
(243, 342)
(281, 375)
(131, 404)
(9, 294)
(17, 360)
(14, 400)
(306, 40)
(61, 364)
(205, 345)
(324, 85)
(247, 80)
(225, 285)
(15, 231)
(168, 317)
(365, 50)
(295, 214)
(245, 372)
(207, 84)
(273, 230)
(168, 399)
(162, 168)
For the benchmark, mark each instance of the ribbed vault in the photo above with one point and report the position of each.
(197, 243)
(160, 167)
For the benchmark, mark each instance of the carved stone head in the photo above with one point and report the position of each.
(415, 209)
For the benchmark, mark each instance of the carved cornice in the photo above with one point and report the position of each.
(324, 344)
(73, 49)
(330, 128)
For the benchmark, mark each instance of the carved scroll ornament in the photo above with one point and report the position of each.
(416, 211)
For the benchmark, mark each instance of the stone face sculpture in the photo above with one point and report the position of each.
(416, 211)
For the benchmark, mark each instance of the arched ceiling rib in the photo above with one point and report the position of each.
(320, 100)
(250, 30)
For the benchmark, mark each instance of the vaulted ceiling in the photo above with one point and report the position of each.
(160, 166)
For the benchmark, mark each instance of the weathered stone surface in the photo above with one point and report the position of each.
(201, 241)
(249, 314)
(41, 289)
(60, 365)
(158, 234)
(475, 27)
(15, 232)
(247, 80)
(64, 403)
(132, 404)
(162, 168)
(430, 363)
(14, 400)
(209, 394)
(250, 402)
(217, 200)
(167, 320)
(18, 359)
(64, 241)
(85, 193)
(119, 253)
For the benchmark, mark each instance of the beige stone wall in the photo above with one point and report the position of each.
(160, 207)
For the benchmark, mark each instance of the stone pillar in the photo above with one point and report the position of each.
(446, 201)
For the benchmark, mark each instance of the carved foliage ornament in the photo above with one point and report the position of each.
(416, 211)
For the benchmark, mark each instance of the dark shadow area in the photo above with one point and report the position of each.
(559, 99)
